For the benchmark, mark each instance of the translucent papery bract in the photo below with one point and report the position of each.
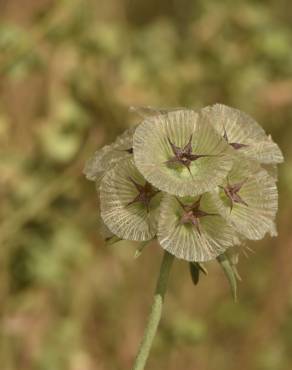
(104, 230)
(266, 152)
(273, 230)
(255, 215)
(117, 191)
(240, 128)
(148, 111)
(272, 170)
(105, 158)
(186, 241)
(152, 151)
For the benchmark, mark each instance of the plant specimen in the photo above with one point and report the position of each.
(200, 183)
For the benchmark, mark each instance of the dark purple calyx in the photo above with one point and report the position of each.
(235, 146)
(185, 155)
(192, 214)
(145, 193)
(231, 191)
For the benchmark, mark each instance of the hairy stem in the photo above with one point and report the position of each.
(155, 313)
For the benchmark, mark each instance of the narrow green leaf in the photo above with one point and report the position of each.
(229, 272)
(195, 272)
(140, 249)
(202, 268)
(236, 273)
(234, 259)
(112, 240)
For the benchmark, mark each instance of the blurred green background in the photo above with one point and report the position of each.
(69, 70)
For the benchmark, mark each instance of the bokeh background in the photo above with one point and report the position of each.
(69, 70)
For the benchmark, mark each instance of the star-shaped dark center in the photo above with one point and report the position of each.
(145, 193)
(235, 146)
(184, 155)
(192, 214)
(231, 191)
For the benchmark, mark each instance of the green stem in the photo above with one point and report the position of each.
(155, 313)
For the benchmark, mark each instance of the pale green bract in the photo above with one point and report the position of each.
(258, 191)
(198, 182)
(242, 129)
(117, 191)
(105, 158)
(152, 150)
(187, 242)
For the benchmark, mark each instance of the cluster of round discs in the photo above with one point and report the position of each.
(199, 182)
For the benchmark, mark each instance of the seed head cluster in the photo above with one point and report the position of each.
(199, 182)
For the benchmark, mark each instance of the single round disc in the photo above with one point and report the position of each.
(251, 202)
(243, 133)
(124, 214)
(205, 239)
(157, 141)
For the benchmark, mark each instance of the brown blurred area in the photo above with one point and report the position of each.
(69, 70)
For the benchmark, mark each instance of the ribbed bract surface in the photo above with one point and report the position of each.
(188, 242)
(105, 158)
(255, 218)
(152, 150)
(128, 221)
(240, 128)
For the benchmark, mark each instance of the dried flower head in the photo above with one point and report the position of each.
(199, 182)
